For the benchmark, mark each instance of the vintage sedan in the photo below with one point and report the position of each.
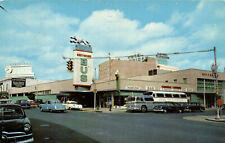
(53, 106)
(15, 126)
(193, 106)
(73, 105)
(168, 107)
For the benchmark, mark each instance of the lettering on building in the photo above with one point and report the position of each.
(208, 74)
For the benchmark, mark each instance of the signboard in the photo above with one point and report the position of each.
(18, 82)
(82, 66)
(220, 102)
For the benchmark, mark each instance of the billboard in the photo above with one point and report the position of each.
(18, 82)
(82, 66)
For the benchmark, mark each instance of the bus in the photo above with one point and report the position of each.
(167, 96)
(140, 102)
(150, 99)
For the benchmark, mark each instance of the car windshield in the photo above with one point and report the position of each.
(55, 102)
(11, 112)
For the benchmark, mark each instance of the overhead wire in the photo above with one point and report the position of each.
(150, 55)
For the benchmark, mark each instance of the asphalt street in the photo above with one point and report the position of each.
(78, 126)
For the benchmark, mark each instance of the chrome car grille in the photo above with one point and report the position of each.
(16, 137)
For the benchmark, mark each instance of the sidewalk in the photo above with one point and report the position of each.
(205, 118)
(105, 110)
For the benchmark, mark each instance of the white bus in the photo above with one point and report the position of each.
(140, 102)
(167, 96)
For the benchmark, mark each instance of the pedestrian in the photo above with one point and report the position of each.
(110, 105)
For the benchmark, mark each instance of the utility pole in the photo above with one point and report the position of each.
(214, 70)
(95, 91)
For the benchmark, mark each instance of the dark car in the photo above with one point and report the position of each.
(15, 126)
(194, 106)
(23, 103)
(168, 107)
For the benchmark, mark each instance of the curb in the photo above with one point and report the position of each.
(216, 119)
(204, 118)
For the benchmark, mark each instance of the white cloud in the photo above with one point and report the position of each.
(39, 36)
(42, 16)
(110, 28)
(157, 30)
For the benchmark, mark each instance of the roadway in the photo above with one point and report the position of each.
(85, 127)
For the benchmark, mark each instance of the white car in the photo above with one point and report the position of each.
(73, 105)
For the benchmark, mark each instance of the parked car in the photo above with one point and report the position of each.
(32, 103)
(193, 106)
(15, 126)
(53, 106)
(73, 105)
(5, 101)
(168, 107)
(23, 103)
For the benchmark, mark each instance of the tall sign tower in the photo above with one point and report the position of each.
(82, 63)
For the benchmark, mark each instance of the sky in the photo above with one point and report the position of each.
(38, 32)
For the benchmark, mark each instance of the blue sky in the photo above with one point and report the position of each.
(38, 31)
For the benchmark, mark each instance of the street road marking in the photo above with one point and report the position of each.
(44, 125)
(46, 138)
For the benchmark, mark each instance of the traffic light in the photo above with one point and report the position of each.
(70, 65)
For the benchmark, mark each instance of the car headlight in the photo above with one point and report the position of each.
(27, 127)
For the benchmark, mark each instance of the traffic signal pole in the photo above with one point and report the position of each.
(216, 85)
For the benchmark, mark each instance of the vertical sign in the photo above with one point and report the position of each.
(82, 66)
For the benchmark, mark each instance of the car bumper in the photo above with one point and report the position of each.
(158, 110)
(18, 137)
(60, 109)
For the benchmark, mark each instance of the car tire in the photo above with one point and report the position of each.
(165, 111)
(50, 110)
(41, 109)
(143, 109)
